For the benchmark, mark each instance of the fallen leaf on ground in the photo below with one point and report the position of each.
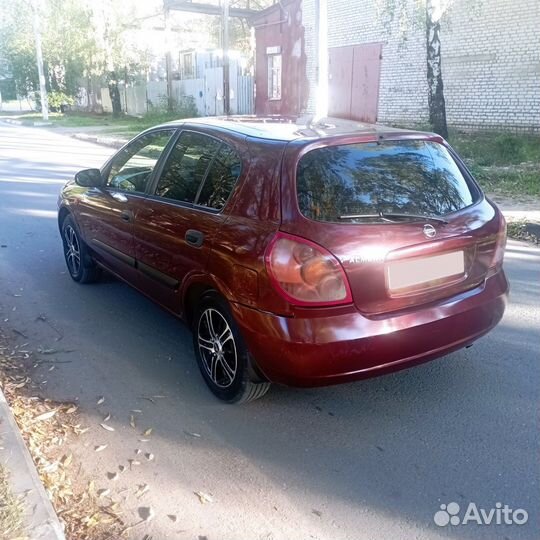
(103, 492)
(72, 409)
(147, 513)
(149, 456)
(172, 517)
(108, 428)
(107, 418)
(100, 400)
(45, 416)
(100, 447)
(143, 488)
(204, 497)
(132, 421)
(147, 432)
(197, 435)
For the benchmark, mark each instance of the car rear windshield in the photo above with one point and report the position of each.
(367, 179)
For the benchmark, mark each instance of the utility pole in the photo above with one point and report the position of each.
(226, 82)
(168, 62)
(321, 26)
(39, 59)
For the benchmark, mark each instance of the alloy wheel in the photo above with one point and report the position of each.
(217, 347)
(72, 250)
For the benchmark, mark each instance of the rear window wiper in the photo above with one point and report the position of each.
(422, 217)
(392, 216)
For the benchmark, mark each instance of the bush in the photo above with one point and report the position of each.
(59, 102)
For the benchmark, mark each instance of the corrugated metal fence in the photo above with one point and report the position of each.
(206, 93)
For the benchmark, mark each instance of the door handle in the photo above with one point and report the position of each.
(194, 238)
(120, 197)
(126, 215)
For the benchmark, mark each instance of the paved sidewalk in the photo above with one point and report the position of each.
(40, 519)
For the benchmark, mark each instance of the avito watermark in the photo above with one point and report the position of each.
(501, 514)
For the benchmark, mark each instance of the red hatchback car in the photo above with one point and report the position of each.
(299, 253)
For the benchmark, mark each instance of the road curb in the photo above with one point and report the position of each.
(112, 142)
(41, 521)
(35, 123)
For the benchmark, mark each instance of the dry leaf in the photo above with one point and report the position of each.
(108, 428)
(45, 416)
(100, 400)
(149, 514)
(204, 497)
(138, 451)
(103, 492)
(149, 456)
(144, 440)
(136, 410)
(197, 435)
(72, 409)
(107, 418)
(143, 488)
(147, 432)
(100, 447)
(121, 468)
(172, 517)
(132, 421)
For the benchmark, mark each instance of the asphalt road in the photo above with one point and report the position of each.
(370, 460)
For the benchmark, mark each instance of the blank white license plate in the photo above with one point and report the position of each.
(405, 274)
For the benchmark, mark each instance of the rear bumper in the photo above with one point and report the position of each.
(319, 351)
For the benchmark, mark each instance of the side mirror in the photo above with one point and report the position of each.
(89, 178)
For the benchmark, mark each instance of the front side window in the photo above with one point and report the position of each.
(221, 178)
(274, 76)
(402, 177)
(132, 167)
(186, 167)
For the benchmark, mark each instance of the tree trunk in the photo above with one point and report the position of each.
(114, 94)
(437, 107)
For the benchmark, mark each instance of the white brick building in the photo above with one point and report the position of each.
(490, 56)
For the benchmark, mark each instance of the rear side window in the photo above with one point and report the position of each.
(406, 177)
(186, 167)
(221, 178)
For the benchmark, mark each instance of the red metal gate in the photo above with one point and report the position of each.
(353, 87)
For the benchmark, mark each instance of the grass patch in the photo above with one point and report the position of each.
(11, 509)
(488, 149)
(503, 163)
(123, 126)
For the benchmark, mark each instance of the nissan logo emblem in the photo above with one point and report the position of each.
(429, 230)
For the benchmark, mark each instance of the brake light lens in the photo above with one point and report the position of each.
(498, 255)
(305, 273)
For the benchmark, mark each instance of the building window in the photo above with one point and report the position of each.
(274, 76)
(188, 66)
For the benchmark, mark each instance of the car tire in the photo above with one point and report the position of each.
(79, 262)
(221, 354)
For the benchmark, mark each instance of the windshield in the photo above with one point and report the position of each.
(402, 177)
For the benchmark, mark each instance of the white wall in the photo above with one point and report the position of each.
(490, 52)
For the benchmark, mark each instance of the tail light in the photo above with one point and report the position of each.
(498, 255)
(305, 273)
